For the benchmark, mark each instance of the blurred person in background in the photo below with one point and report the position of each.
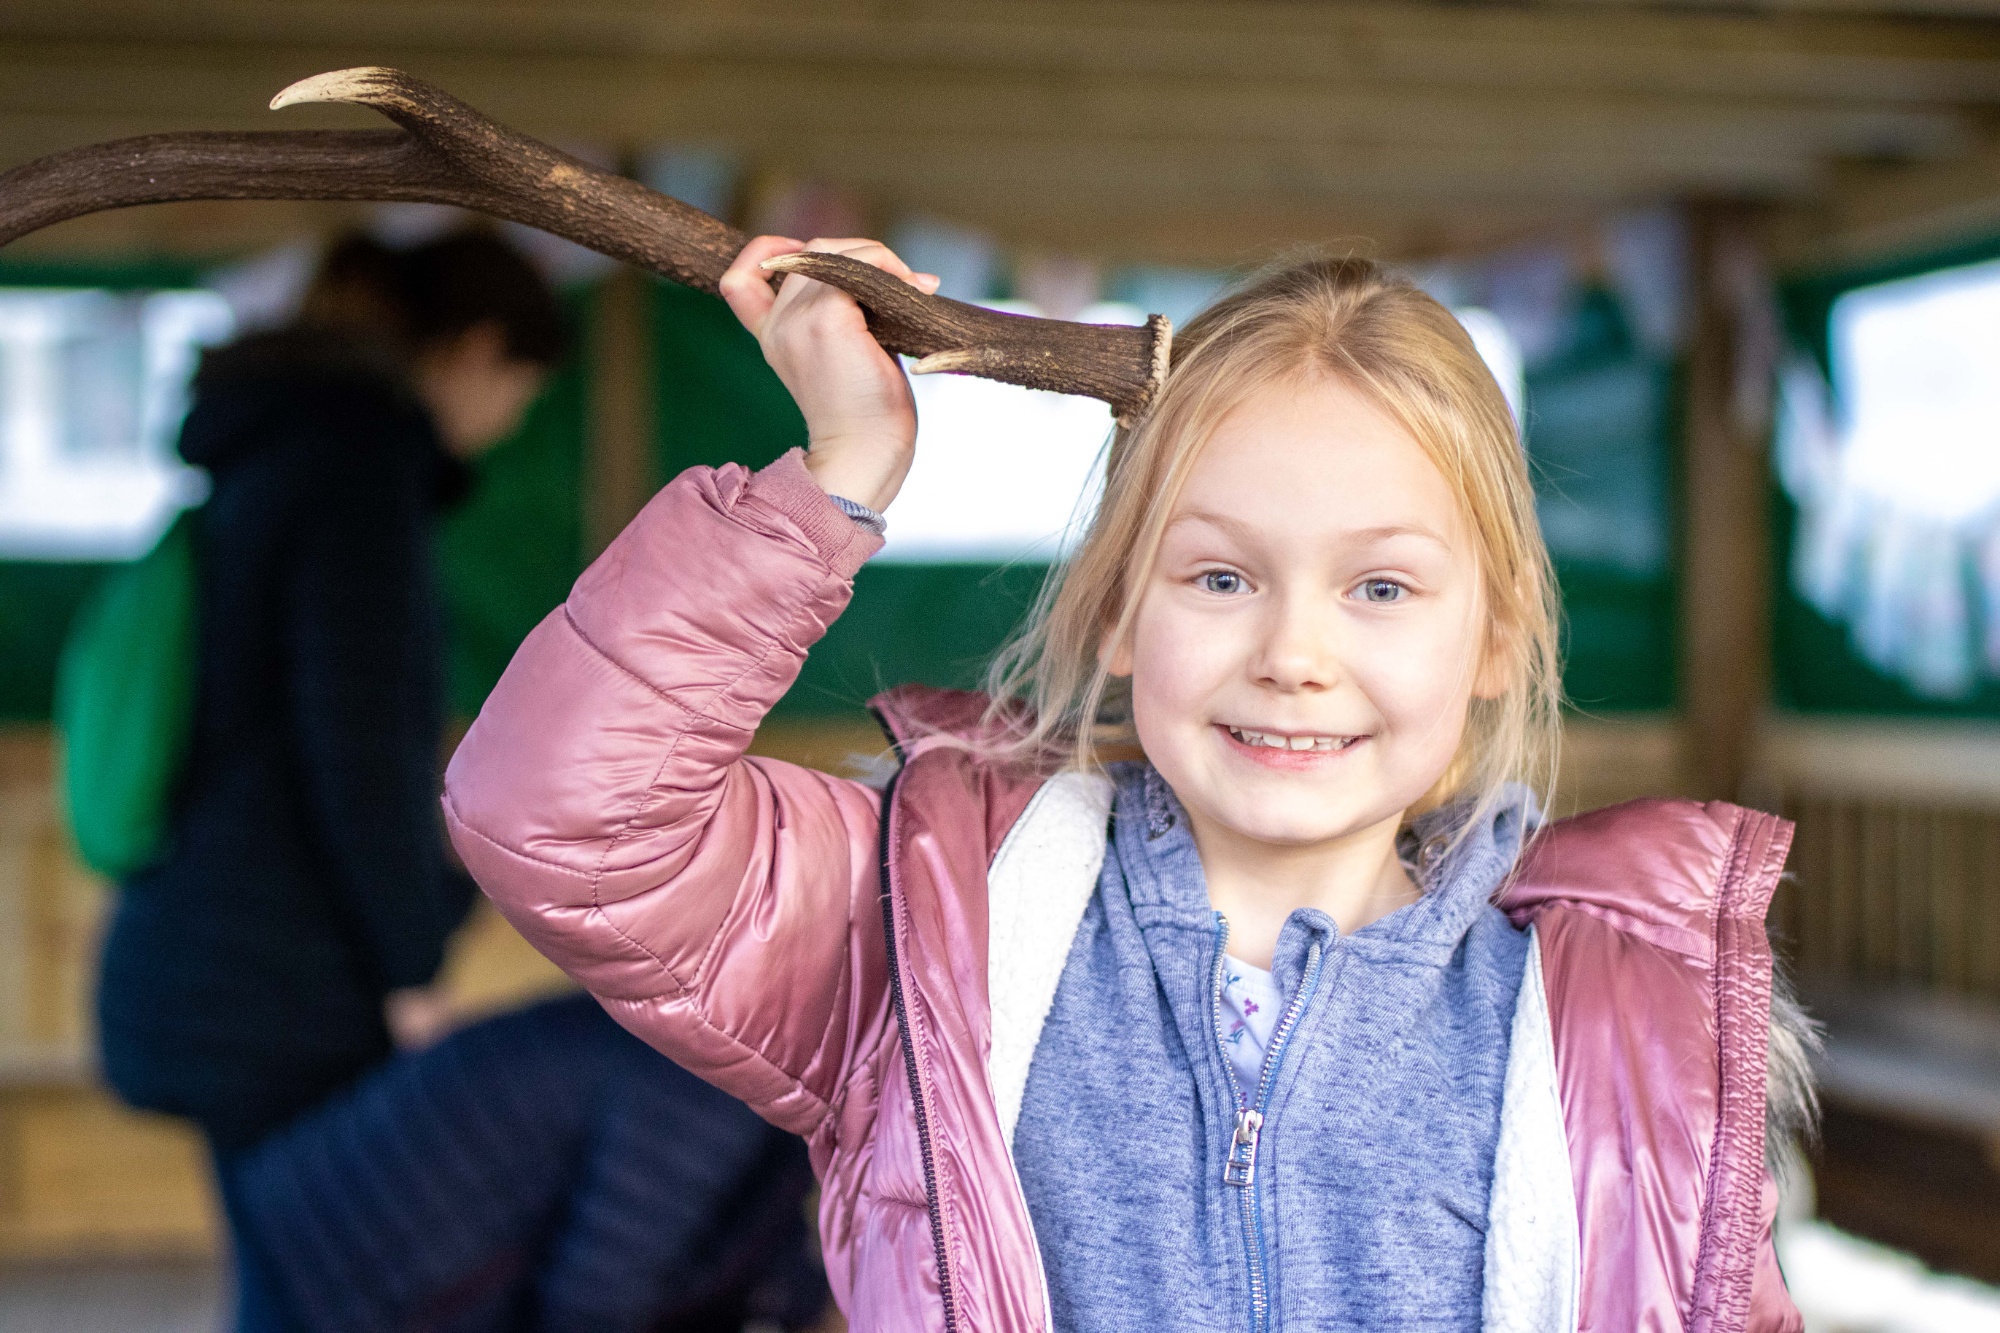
(291, 933)
(260, 977)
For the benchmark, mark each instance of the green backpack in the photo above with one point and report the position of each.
(125, 704)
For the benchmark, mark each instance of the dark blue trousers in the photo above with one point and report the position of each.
(543, 1170)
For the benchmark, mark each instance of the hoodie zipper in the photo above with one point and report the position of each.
(1239, 1169)
(919, 1097)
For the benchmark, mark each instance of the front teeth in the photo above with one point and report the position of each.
(1322, 744)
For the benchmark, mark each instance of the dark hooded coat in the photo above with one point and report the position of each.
(244, 974)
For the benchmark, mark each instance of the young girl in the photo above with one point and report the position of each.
(1230, 1034)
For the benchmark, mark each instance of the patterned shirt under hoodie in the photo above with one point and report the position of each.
(1359, 1200)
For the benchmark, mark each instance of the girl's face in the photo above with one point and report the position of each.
(1310, 638)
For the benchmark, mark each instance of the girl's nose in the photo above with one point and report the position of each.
(1297, 650)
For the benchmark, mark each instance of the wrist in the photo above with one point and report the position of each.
(867, 470)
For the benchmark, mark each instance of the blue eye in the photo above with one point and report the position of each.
(1382, 590)
(1224, 581)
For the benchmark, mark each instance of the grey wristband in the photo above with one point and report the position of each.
(861, 514)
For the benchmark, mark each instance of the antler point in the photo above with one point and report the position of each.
(339, 85)
(956, 360)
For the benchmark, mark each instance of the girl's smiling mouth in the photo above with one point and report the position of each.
(1286, 748)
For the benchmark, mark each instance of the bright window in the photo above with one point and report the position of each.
(1916, 370)
(93, 385)
(1002, 473)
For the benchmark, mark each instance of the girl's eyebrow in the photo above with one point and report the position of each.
(1388, 530)
(1236, 527)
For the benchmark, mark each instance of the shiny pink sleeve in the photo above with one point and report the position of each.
(723, 908)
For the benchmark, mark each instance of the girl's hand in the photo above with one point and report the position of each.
(861, 421)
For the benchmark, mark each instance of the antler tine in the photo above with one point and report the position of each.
(953, 338)
(525, 180)
(448, 153)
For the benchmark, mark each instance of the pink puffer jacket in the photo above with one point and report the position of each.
(770, 929)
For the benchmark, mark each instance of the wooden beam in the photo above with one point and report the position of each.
(619, 471)
(1874, 209)
(1478, 163)
(1874, 9)
(1361, 45)
(1457, 147)
(770, 103)
(1725, 604)
(1119, 128)
(1115, 233)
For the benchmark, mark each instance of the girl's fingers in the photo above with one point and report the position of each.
(799, 295)
(876, 253)
(746, 286)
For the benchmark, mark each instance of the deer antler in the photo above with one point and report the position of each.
(447, 153)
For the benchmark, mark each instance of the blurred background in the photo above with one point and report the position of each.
(1738, 266)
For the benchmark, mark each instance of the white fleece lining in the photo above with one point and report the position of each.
(1533, 1259)
(1040, 882)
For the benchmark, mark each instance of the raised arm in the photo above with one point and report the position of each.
(725, 909)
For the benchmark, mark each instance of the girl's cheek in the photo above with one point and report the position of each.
(1417, 675)
(1177, 661)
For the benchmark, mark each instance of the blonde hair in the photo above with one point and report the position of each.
(1386, 338)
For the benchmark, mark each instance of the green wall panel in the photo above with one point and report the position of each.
(509, 554)
(935, 624)
(1815, 666)
(1601, 428)
(37, 601)
(1601, 431)
(717, 402)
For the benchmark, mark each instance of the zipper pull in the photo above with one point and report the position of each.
(1241, 1168)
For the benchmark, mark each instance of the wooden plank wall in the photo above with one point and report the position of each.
(1895, 872)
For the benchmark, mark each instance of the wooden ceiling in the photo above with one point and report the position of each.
(1169, 131)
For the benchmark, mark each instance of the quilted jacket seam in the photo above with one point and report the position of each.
(798, 1086)
(871, 1062)
(643, 797)
(1720, 1295)
(682, 990)
(640, 800)
(596, 908)
(451, 809)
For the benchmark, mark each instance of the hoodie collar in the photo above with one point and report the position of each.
(1462, 857)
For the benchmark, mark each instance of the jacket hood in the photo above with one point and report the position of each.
(252, 394)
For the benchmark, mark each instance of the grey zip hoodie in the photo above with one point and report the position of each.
(1353, 1193)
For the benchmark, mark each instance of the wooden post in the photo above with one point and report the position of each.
(1725, 585)
(620, 472)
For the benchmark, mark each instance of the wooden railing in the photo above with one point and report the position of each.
(1895, 873)
(1893, 894)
